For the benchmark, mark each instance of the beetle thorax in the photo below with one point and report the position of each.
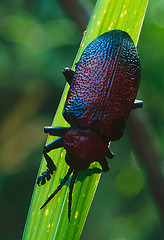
(83, 146)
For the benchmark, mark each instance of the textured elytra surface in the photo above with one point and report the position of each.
(105, 85)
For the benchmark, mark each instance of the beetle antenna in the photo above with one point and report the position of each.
(75, 172)
(70, 170)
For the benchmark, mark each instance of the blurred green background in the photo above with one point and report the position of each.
(37, 40)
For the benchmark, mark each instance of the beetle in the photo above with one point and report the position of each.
(102, 93)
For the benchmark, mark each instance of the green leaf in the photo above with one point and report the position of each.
(52, 221)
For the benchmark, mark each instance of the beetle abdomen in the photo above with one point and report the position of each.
(105, 84)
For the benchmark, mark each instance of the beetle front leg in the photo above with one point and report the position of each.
(109, 154)
(137, 104)
(56, 131)
(51, 167)
(104, 164)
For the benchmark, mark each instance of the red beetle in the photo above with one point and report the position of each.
(102, 93)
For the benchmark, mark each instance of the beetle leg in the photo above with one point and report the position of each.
(51, 167)
(109, 154)
(68, 74)
(137, 104)
(75, 172)
(56, 131)
(59, 187)
(104, 164)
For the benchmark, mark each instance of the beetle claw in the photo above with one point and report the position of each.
(41, 180)
(109, 154)
(46, 175)
(104, 164)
